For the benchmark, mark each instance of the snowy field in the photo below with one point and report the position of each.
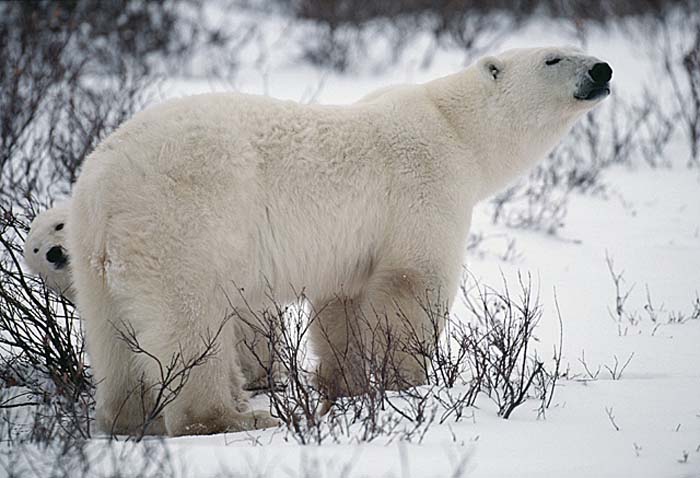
(639, 418)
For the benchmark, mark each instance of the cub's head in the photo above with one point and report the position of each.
(45, 251)
(546, 84)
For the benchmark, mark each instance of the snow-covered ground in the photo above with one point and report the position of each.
(646, 423)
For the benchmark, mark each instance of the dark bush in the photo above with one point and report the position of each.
(355, 12)
(71, 72)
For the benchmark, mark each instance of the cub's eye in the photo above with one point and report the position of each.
(58, 227)
(36, 250)
(553, 61)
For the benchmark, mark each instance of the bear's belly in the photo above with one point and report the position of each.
(324, 247)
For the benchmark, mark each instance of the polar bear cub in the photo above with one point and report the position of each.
(45, 250)
(200, 209)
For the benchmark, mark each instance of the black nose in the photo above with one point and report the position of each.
(601, 72)
(55, 255)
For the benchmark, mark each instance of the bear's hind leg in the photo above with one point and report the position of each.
(192, 357)
(123, 399)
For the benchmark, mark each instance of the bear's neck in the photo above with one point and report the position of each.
(498, 147)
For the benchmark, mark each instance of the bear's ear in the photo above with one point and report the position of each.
(491, 67)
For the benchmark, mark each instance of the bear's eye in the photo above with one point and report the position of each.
(553, 61)
(36, 250)
(58, 227)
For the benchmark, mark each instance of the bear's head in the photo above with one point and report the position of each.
(45, 251)
(520, 104)
(546, 84)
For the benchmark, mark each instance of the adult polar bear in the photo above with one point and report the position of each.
(369, 202)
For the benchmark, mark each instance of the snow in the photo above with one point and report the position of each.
(647, 221)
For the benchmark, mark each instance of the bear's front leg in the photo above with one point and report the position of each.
(341, 369)
(404, 312)
(386, 334)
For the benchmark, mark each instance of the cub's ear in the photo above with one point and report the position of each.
(491, 67)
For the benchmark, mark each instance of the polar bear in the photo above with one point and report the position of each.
(45, 250)
(209, 204)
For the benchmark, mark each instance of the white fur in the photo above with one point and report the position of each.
(200, 201)
(43, 235)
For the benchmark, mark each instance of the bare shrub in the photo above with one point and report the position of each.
(475, 31)
(42, 350)
(590, 375)
(345, 31)
(501, 342)
(680, 53)
(35, 323)
(310, 415)
(622, 317)
(358, 11)
(506, 246)
(330, 46)
(297, 402)
(539, 202)
(655, 128)
(606, 142)
(492, 355)
(651, 310)
(618, 368)
(611, 417)
(55, 107)
(71, 74)
(677, 317)
(546, 380)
